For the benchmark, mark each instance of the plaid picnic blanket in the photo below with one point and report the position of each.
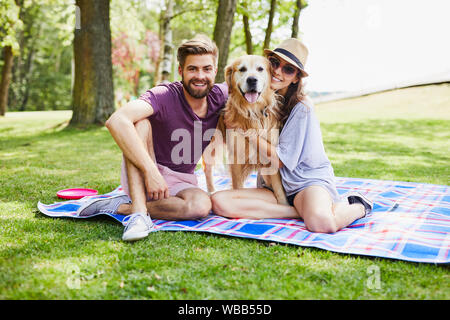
(410, 221)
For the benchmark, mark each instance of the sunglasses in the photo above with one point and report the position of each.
(286, 69)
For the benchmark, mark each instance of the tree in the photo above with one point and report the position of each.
(273, 6)
(165, 65)
(41, 68)
(247, 32)
(93, 95)
(169, 35)
(222, 33)
(23, 63)
(132, 56)
(6, 79)
(9, 18)
(299, 6)
(135, 47)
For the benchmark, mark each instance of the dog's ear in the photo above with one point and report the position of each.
(228, 74)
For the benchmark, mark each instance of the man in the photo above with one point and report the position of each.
(157, 174)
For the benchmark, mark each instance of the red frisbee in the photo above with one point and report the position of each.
(76, 193)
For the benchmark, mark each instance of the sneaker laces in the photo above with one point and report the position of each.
(134, 217)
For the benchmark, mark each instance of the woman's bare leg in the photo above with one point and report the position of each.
(257, 203)
(316, 207)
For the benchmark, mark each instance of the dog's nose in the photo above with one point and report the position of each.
(251, 81)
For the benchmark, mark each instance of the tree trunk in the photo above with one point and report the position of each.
(300, 4)
(136, 78)
(273, 5)
(222, 33)
(93, 92)
(248, 34)
(6, 79)
(28, 70)
(166, 63)
(157, 78)
(15, 90)
(26, 94)
(163, 68)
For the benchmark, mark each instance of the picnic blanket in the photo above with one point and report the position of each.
(410, 221)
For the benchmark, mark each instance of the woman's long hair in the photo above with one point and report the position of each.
(294, 95)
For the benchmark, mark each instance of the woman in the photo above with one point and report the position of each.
(306, 172)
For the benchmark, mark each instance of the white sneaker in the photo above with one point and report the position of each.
(138, 226)
(102, 205)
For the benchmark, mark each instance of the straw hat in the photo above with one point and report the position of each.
(293, 51)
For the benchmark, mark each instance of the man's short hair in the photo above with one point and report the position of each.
(199, 45)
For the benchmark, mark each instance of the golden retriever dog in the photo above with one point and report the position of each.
(252, 108)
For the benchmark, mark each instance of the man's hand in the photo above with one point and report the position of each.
(156, 186)
(122, 128)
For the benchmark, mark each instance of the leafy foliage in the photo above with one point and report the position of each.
(42, 68)
(9, 24)
(41, 34)
(135, 48)
(258, 13)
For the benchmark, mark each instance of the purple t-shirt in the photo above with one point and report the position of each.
(179, 135)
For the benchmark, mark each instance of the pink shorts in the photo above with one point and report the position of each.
(176, 181)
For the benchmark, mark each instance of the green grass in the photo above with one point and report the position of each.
(398, 135)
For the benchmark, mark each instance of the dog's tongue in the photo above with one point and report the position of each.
(251, 97)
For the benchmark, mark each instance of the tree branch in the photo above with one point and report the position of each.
(185, 11)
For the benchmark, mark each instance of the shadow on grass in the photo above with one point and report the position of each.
(32, 165)
(48, 135)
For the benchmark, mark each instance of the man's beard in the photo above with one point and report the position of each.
(196, 93)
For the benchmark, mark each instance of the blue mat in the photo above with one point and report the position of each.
(410, 221)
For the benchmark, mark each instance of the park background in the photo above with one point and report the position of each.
(356, 47)
(379, 76)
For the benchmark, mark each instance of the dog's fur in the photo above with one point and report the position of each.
(251, 105)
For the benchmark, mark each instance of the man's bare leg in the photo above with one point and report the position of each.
(192, 203)
(188, 204)
(136, 185)
(136, 189)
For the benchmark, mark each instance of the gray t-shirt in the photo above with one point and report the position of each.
(300, 148)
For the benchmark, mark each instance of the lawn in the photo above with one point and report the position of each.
(396, 135)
